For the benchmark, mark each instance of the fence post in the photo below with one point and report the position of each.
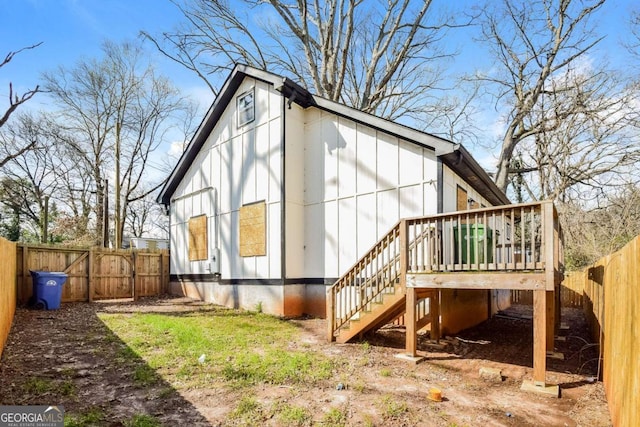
(91, 273)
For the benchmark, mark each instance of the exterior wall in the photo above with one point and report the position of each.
(358, 183)
(236, 166)
(461, 309)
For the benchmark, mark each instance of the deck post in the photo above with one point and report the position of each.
(434, 311)
(330, 315)
(539, 337)
(410, 322)
(550, 319)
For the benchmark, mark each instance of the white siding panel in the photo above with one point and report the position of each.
(263, 174)
(411, 201)
(215, 169)
(313, 160)
(366, 235)
(234, 249)
(225, 245)
(187, 207)
(196, 204)
(274, 234)
(410, 163)
(347, 233)
(249, 167)
(330, 144)
(295, 240)
(387, 164)
(331, 241)
(366, 158)
(430, 191)
(387, 211)
(235, 183)
(176, 260)
(225, 176)
(347, 158)
(262, 102)
(430, 166)
(314, 240)
(275, 160)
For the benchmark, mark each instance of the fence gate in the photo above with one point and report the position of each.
(94, 273)
(113, 276)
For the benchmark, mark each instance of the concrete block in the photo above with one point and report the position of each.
(406, 357)
(544, 389)
(491, 374)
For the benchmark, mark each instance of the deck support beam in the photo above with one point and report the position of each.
(540, 335)
(410, 319)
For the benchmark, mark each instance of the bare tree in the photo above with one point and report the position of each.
(146, 217)
(601, 226)
(15, 100)
(533, 42)
(29, 178)
(585, 142)
(379, 57)
(115, 113)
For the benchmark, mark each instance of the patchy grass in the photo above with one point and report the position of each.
(292, 416)
(241, 349)
(249, 412)
(142, 420)
(91, 418)
(336, 417)
(36, 385)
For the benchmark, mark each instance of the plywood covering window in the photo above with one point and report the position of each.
(461, 200)
(253, 229)
(198, 238)
(464, 202)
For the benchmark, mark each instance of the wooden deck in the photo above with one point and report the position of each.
(505, 247)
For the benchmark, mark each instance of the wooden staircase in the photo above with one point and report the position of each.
(372, 293)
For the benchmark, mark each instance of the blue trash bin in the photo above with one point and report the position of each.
(47, 289)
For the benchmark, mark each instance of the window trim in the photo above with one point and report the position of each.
(243, 116)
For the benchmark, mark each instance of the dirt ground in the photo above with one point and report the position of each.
(68, 357)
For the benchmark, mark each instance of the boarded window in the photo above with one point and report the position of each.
(462, 203)
(198, 238)
(253, 229)
(246, 108)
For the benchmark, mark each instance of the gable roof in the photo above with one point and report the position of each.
(455, 156)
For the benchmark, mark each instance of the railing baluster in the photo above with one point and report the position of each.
(431, 247)
(533, 239)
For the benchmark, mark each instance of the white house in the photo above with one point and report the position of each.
(280, 192)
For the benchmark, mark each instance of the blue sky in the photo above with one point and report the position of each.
(71, 29)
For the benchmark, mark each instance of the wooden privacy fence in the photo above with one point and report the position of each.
(96, 273)
(611, 293)
(570, 295)
(7, 288)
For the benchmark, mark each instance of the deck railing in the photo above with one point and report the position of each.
(506, 238)
(512, 238)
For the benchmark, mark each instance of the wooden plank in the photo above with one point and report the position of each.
(8, 291)
(410, 323)
(549, 244)
(550, 319)
(476, 280)
(539, 337)
(90, 285)
(434, 308)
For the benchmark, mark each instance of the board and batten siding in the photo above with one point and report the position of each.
(236, 166)
(358, 182)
